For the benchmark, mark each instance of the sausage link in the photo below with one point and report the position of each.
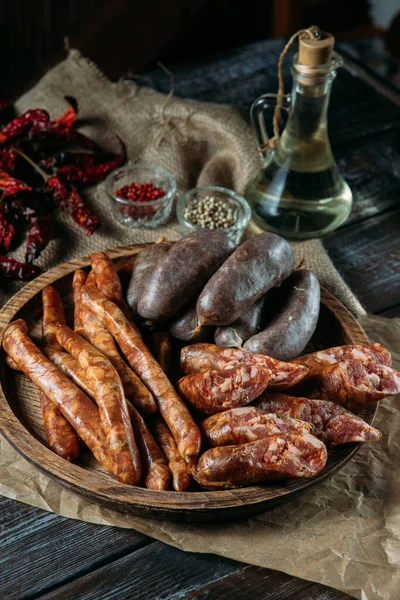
(270, 458)
(11, 363)
(215, 391)
(199, 358)
(76, 407)
(352, 384)
(111, 401)
(68, 365)
(53, 313)
(181, 273)
(329, 422)
(172, 408)
(238, 332)
(248, 424)
(156, 474)
(78, 282)
(186, 327)
(365, 352)
(107, 280)
(60, 434)
(93, 330)
(180, 475)
(288, 333)
(256, 266)
(161, 346)
(142, 270)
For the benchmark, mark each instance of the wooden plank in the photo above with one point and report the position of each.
(40, 549)
(264, 585)
(367, 256)
(157, 571)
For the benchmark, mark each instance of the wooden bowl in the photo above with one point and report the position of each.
(21, 423)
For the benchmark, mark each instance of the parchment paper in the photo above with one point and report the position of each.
(344, 534)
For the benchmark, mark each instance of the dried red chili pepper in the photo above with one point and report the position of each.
(20, 125)
(93, 173)
(8, 160)
(69, 117)
(13, 269)
(40, 233)
(7, 231)
(10, 185)
(68, 198)
(53, 131)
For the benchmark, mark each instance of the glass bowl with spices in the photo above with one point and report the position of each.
(213, 207)
(141, 195)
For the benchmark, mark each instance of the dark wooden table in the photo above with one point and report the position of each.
(45, 556)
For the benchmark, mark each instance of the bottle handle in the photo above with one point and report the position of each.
(266, 101)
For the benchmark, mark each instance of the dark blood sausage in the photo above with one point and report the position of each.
(180, 275)
(270, 458)
(76, 407)
(172, 408)
(180, 475)
(214, 391)
(161, 347)
(186, 327)
(291, 329)
(352, 384)
(329, 422)
(60, 434)
(110, 398)
(375, 353)
(207, 357)
(235, 334)
(247, 424)
(143, 268)
(256, 266)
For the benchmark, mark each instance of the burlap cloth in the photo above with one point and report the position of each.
(345, 533)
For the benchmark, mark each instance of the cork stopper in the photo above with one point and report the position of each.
(316, 51)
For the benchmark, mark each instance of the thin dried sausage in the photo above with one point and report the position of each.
(180, 474)
(111, 401)
(329, 422)
(107, 280)
(60, 434)
(172, 408)
(76, 407)
(269, 458)
(97, 334)
(207, 357)
(256, 266)
(215, 391)
(161, 347)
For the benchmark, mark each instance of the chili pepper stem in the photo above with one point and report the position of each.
(45, 176)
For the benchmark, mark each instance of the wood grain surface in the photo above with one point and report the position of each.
(21, 421)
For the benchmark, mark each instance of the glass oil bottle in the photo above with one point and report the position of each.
(299, 192)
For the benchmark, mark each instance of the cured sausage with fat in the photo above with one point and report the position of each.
(198, 358)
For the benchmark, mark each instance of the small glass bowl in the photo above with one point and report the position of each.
(241, 210)
(141, 214)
